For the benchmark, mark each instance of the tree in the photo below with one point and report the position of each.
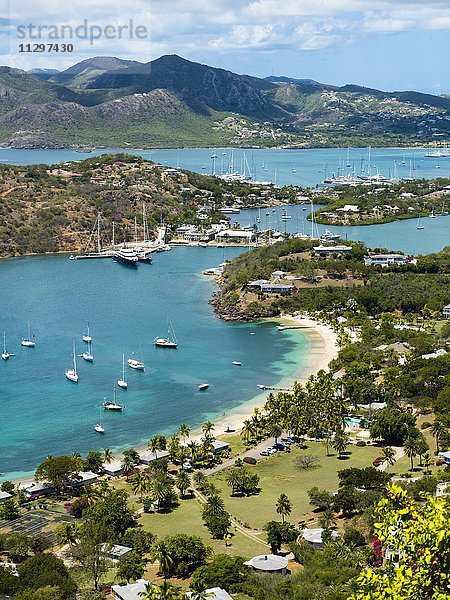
(410, 447)
(327, 519)
(113, 512)
(402, 524)
(131, 567)
(91, 550)
(214, 506)
(162, 493)
(18, 545)
(340, 442)
(8, 487)
(223, 571)
(391, 424)
(242, 482)
(9, 510)
(438, 429)
(140, 484)
(44, 570)
(279, 533)
(186, 553)
(93, 461)
(208, 428)
(182, 481)
(162, 554)
(275, 431)
(218, 525)
(158, 442)
(108, 456)
(184, 430)
(58, 471)
(388, 454)
(307, 461)
(283, 506)
(322, 499)
(8, 581)
(67, 533)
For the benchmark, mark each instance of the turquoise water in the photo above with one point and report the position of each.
(398, 235)
(43, 413)
(311, 165)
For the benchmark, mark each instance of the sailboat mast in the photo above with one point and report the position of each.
(99, 246)
(74, 358)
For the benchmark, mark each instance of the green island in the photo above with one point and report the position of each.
(322, 491)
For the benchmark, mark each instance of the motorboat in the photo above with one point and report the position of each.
(236, 363)
(99, 429)
(329, 236)
(126, 256)
(203, 386)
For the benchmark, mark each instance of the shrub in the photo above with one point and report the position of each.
(425, 425)
(307, 461)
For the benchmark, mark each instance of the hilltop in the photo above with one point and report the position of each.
(172, 101)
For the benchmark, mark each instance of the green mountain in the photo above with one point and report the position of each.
(173, 101)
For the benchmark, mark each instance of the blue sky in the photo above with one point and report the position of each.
(386, 44)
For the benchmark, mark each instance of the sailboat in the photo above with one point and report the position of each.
(170, 341)
(87, 335)
(419, 224)
(28, 342)
(136, 364)
(112, 405)
(293, 170)
(5, 353)
(72, 374)
(87, 355)
(123, 382)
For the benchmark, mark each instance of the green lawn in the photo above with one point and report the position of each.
(187, 519)
(236, 442)
(279, 474)
(404, 464)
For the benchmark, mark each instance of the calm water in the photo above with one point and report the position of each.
(311, 166)
(43, 413)
(398, 235)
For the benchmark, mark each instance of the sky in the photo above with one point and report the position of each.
(384, 44)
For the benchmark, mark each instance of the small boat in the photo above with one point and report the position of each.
(107, 405)
(5, 353)
(87, 335)
(170, 341)
(99, 429)
(87, 355)
(236, 363)
(419, 225)
(133, 363)
(72, 374)
(123, 382)
(252, 333)
(28, 342)
(203, 386)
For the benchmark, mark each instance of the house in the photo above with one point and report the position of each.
(338, 249)
(385, 260)
(278, 274)
(351, 208)
(116, 552)
(149, 457)
(84, 477)
(276, 288)
(257, 283)
(445, 456)
(114, 468)
(4, 497)
(236, 235)
(437, 354)
(446, 311)
(219, 445)
(39, 489)
(213, 594)
(314, 536)
(268, 563)
(131, 591)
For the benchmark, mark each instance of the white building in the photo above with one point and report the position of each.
(131, 591)
(214, 594)
(268, 563)
(446, 311)
(4, 497)
(314, 536)
(149, 457)
(338, 249)
(114, 468)
(385, 260)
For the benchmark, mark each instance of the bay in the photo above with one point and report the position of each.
(42, 413)
(305, 167)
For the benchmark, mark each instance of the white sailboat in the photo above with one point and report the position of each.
(99, 429)
(87, 355)
(419, 224)
(107, 405)
(133, 363)
(123, 382)
(5, 353)
(72, 374)
(87, 336)
(170, 341)
(28, 342)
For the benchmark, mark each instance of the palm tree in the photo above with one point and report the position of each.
(140, 484)
(340, 442)
(108, 456)
(214, 506)
(183, 455)
(327, 520)
(389, 455)
(128, 465)
(161, 489)
(327, 437)
(183, 482)
(168, 591)
(208, 428)
(194, 450)
(151, 592)
(438, 429)
(184, 430)
(158, 442)
(201, 595)
(275, 431)
(283, 506)
(248, 431)
(427, 462)
(163, 556)
(410, 447)
(199, 479)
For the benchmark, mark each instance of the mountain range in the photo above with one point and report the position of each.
(172, 101)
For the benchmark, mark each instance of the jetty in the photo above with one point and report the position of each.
(273, 388)
(284, 327)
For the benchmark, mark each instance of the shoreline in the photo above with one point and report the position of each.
(321, 351)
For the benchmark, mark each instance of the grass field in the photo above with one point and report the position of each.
(279, 474)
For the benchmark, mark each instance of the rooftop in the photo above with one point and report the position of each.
(268, 562)
(131, 591)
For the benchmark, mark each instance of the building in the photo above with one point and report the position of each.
(386, 260)
(4, 497)
(446, 311)
(149, 457)
(314, 536)
(437, 354)
(236, 235)
(268, 563)
(131, 591)
(276, 288)
(219, 445)
(83, 478)
(114, 468)
(39, 489)
(278, 274)
(257, 283)
(116, 552)
(326, 250)
(445, 456)
(213, 594)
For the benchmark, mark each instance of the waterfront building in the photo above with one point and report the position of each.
(236, 235)
(4, 497)
(149, 457)
(114, 468)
